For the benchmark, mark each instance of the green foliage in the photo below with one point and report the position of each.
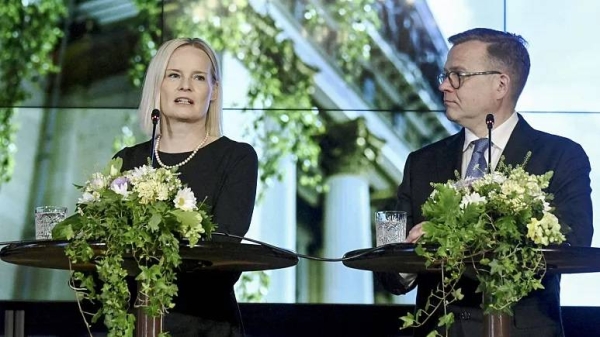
(491, 229)
(29, 34)
(346, 24)
(252, 286)
(147, 25)
(140, 216)
(125, 139)
(279, 78)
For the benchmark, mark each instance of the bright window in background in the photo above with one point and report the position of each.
(562, 95)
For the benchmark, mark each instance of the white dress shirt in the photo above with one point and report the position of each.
(500, 136)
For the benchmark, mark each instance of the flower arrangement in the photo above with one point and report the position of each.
(492, 228)
(139, 215)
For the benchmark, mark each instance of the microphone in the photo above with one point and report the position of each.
(489, 121)
(155, 117)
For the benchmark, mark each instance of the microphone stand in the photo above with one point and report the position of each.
(489, 121)
(155, 116)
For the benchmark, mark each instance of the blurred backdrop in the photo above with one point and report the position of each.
(333, 94)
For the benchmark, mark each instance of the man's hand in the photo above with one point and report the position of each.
(415, 233)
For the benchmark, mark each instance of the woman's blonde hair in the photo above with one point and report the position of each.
(156, 73)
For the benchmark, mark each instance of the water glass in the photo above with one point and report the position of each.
(390, 227)
(46, 217)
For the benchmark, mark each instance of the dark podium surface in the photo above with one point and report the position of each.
(206, 255)
(402, 258)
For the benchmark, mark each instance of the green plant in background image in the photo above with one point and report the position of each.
(253, 286)
(344, 29)
(127, 137)
(29, 34)
(148, 27)
(282, 83)
(31, 30)
(281, 86)
(491, 229)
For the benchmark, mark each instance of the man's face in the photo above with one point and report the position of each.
(475, 98)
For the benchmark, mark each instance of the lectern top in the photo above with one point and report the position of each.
(214, 256)
(402, 258)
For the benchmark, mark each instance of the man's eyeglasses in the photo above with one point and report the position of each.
(456, 77)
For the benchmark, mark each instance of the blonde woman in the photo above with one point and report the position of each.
(183, 81)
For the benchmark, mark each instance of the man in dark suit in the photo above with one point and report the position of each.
(485, 72)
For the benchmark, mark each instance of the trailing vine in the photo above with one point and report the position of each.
(280, 78)
(29, 34)
(281, 83)
(147, 24)
(141, 216)
(346, 24)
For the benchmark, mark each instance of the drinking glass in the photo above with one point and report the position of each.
(390, 227)
(46, 217)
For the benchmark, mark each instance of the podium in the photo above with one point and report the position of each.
(206, 255)
(402, 258)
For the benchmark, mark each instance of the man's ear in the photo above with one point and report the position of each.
(503, 85)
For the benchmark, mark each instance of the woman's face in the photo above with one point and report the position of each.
(187, 88)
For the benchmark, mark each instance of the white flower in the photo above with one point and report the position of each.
(97, 182)
(472, 198)
(139, 173)
(513, 187)
(545, 231)
(547, 207)
(497, 177)
(463, 183)
(113, 171)
(162, 192)
(120, 186)
(185, 200)
(88, 197)
(147, 191)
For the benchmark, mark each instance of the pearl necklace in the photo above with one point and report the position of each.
(183, 162)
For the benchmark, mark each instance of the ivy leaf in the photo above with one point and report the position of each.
(495, 267)
(408, 319)
(490, 229)
(65, 230)
(458, 294)
(139, 232)
(446, 320)
(188, 219)
(154, 221)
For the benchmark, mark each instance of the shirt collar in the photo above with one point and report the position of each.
(500, 134)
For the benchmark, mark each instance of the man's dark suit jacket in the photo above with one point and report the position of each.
(539, 313)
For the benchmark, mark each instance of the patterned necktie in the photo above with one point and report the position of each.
(478, 166)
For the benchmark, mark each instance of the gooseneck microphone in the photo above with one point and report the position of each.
(489, 121)
(155, 117)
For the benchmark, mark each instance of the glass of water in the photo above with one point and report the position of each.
(390, 227)
(46, 217)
